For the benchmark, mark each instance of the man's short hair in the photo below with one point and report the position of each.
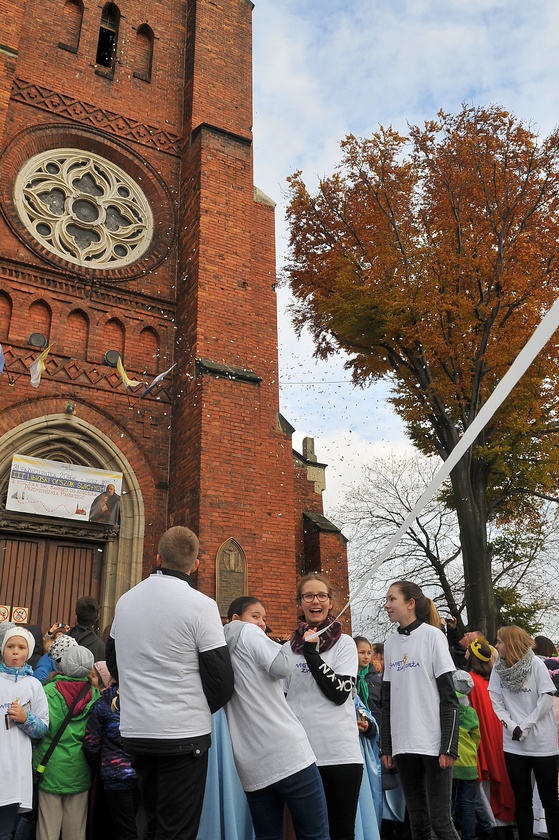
(87, 610)
(178, 548)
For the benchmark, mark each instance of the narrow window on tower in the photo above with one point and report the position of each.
(143, 52)
(108, 37)
(72, 15)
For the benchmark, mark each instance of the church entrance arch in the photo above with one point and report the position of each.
(46, 560)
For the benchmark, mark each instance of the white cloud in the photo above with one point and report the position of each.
(326, 68)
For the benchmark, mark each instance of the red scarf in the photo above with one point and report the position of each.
(327, 640)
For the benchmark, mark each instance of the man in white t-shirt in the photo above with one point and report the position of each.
(174, 671)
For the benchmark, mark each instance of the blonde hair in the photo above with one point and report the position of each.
(434, 617)
(516, 641)
(178, 548)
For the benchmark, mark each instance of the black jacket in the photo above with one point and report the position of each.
(88, 638)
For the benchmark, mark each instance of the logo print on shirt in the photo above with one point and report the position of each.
(403, 664)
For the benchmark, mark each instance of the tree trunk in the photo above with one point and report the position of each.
(469, 484)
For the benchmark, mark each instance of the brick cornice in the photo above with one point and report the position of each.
(88, 114)
(91, 292)
(77, 372)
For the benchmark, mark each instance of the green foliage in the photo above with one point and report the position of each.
(513, 610)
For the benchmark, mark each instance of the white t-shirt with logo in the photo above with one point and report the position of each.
(160, 627)
(332, 730)
(412, 664)
(268, 741)
(542, 737)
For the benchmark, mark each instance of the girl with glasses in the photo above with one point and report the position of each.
(320, 692)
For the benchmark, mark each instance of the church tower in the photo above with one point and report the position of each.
(131, 231)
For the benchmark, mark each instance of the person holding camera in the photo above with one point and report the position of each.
(459, 642)
(55, 643)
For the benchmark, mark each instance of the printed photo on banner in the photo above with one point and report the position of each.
(68, 491)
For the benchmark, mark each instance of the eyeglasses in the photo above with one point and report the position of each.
(309, 597)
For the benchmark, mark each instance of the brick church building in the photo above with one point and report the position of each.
(130, 226)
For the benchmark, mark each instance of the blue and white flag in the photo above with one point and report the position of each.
(2, 359)
(156, 381)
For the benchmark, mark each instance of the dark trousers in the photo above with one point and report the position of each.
(427, 788)
(172, 793)
(123, 805)
(342, 783)
(8, 814)
(519, 768)
(464, 806)
(303, 794)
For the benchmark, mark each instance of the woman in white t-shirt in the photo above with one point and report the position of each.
(521, 692)
(272, 753)
(320, 692)
(419, 729)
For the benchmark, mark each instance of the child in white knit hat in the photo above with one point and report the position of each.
(24, 715)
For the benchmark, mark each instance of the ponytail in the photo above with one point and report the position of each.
(425, 609)
(434, 617)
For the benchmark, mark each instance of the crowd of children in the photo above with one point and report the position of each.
(451, 741)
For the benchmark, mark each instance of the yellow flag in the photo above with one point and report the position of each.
(38, 367)
(128, 383)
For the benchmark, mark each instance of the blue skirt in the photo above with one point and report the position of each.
(225, 813)
(369, 807)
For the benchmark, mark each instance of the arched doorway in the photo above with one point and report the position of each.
(45, 561)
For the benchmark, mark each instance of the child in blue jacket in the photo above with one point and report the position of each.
(103, 745)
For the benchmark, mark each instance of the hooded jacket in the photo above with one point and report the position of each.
(103, 741)
(88, 638)
(67, 770)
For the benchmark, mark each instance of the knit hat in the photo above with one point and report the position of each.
(463, 683)
(61, 645)
(77, 661)
(103, 671)
(25, 634)
(4, 627)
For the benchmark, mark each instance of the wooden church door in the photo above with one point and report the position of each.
(48, 576)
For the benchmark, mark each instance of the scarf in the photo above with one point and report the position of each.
(514, 677)
(362, 687)
(325, 642)
(25, 671)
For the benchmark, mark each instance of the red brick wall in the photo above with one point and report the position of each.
(209, 453)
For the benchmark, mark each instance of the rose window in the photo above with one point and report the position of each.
(84, 208)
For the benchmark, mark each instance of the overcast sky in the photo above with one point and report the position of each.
(326, 68)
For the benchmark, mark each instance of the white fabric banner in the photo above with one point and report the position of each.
(69, 491)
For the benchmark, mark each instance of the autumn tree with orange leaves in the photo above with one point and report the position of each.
(429, 260)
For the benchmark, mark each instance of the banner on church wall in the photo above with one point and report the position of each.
(69, 491)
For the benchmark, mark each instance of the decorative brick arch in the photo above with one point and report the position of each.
(70, 438)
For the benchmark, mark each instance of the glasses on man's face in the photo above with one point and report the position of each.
(309, 597)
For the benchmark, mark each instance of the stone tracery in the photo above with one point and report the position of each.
(84, 208)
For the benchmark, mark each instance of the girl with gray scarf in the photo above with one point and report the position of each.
(521, 692)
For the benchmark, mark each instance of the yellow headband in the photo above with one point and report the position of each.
(475, 648)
